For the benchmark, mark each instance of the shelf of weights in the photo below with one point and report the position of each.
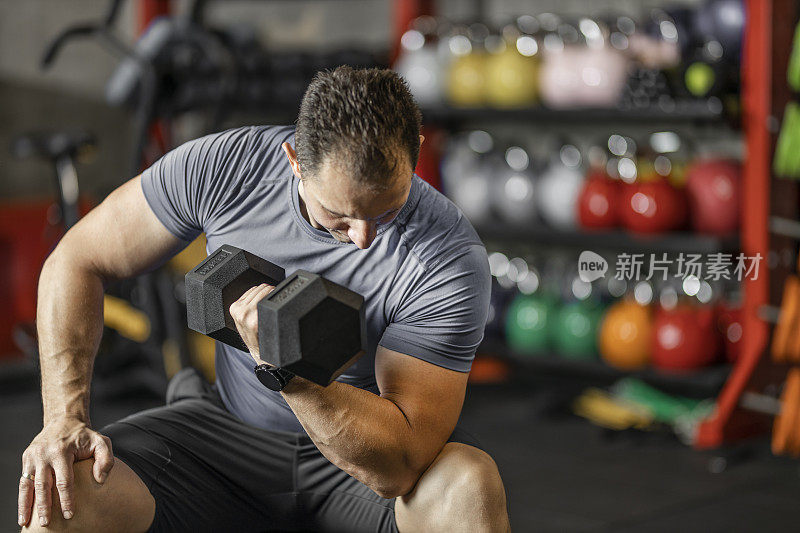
(702, 383)
(726, 383)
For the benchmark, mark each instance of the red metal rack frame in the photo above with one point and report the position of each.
(729, 423)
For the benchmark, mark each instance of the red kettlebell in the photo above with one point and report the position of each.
(713, 189)
(597, 201)
(624, 193)
(652, 206)
(729, 326)
(684, 338)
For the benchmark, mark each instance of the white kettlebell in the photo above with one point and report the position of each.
(559, 187)
(419, 62)
(514, 195)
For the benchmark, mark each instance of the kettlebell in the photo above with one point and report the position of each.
(514, 192)
(466, 77)
(559, 186)
(528, 323)
(684, 338)
(418, 61)
(467, 172)
(597, 201)
(713, 191)
(512, 66)
(575, 329)
(625, 338)
(653, 206)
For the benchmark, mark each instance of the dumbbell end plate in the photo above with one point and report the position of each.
(312, 327)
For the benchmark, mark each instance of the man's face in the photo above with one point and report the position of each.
(349, 211)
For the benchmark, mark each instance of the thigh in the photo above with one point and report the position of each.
(206, 470)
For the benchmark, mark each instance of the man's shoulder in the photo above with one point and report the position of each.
(246, 155)
(267, 136)
(241, 141)
(438, 231)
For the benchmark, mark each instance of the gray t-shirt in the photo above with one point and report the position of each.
(425, 279)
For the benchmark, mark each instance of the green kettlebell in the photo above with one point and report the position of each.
(793, 71)
(786, 162)
(528, 322)
(575, 330)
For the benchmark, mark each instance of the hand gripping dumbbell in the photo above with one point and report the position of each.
(308, 325)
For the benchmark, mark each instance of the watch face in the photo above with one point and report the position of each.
(269, 379)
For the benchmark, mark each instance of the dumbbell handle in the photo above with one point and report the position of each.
(211, 281)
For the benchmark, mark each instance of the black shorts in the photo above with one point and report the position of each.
(209, 471)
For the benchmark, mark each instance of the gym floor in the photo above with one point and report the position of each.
(561, 473)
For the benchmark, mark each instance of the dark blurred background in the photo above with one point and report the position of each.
(631, 167)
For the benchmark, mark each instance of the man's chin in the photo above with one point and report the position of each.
(339, 237)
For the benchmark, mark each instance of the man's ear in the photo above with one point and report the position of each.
(421, 140)
(292, 156)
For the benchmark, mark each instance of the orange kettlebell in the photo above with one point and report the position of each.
(625, 335)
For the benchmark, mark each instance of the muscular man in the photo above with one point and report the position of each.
(377, 450)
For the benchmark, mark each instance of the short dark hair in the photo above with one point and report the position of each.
(365, 118)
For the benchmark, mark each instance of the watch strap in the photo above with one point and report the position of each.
(273, 378)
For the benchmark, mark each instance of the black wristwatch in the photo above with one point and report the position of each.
(273, 378)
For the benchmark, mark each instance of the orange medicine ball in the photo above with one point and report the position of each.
(625, 336)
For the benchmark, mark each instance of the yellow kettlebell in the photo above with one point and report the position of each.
(512, 72)
(466, 79)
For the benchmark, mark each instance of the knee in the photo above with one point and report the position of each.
(461, 491)
(81, 491)
(122, 503)
(473, 480)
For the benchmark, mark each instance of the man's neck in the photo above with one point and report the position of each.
(303, 211)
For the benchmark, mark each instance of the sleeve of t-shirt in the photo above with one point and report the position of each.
(189, 185)
(442, 319)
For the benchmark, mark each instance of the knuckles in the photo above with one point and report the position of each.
(54, 451)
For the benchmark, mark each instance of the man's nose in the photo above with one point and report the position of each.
(362, 233)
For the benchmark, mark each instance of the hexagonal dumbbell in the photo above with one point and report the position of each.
(308, 325)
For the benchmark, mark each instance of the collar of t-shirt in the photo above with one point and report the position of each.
(324, 236)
